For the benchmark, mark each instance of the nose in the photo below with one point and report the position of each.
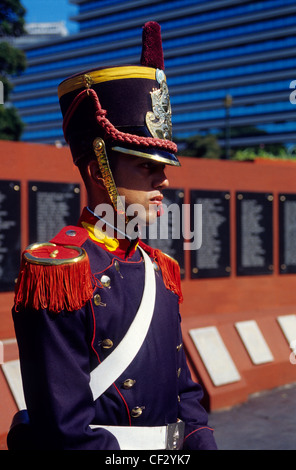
(161, 181)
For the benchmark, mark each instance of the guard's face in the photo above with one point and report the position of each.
(141, 181)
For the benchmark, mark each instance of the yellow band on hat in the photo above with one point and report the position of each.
(86, 80)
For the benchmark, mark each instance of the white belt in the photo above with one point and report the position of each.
(147, 438)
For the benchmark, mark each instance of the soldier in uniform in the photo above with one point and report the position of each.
(96, 310)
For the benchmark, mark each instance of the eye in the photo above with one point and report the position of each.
(147, 165)
(152, 166)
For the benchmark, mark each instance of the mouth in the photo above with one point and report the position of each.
(157, 200)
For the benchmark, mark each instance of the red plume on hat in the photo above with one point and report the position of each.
(152, 52)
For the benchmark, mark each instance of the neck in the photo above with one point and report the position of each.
(111, 230)
(107, 235)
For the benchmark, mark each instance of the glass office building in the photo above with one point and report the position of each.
(213, 49)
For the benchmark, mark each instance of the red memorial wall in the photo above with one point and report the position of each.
(239, 327)
(239, 309)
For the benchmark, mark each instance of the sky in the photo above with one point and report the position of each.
(50, 10)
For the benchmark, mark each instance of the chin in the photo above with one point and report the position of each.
(151, 219)
(147, 222)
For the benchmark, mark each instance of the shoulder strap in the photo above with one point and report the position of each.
(71, 235)
(105, 374)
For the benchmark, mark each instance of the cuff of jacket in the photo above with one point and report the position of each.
(199, 439)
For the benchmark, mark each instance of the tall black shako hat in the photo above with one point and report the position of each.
(123, 109)
(127, 107)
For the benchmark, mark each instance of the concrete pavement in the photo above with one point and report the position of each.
(267, 421)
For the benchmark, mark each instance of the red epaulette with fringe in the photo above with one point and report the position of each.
(170, 269)
(55, 275)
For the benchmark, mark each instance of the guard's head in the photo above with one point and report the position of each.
(120, 110)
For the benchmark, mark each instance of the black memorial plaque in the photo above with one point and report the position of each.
(167, 233)
(212, 259)
(287, 233)
(254, 233)
(10, 234)
(52, 206)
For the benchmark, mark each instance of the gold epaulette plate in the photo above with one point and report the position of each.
(50, 254)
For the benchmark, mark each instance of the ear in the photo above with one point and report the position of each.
(95, 174)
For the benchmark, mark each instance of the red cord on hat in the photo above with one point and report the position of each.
(110, 131)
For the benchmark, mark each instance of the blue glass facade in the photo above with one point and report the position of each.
(214, 48)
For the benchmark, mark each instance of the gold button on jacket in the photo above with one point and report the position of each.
(137, 411)
(107, 343)
(128, 383)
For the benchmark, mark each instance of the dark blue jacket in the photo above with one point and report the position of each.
(59, 350)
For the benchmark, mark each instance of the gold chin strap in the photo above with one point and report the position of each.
(102, 159)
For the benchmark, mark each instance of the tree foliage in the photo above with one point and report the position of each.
(11, 126)
(200, 146)
(12, 14)
(207, 146)
(12, 62)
